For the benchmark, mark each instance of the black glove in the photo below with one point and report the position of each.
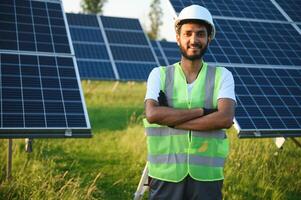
(208, 111)
(162, 99)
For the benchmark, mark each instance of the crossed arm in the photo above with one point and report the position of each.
(191, 119)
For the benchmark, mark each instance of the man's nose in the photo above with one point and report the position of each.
(193, 38)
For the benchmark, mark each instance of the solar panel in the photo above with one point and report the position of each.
(33, 26)
(90, 49)
(259, 43)
(131, 50)
(292, 8)
(268, 101)
(40, 94)
(254, 9)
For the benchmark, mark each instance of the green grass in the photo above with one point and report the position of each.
(109, 165)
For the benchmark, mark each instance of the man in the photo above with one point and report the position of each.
(188, 105)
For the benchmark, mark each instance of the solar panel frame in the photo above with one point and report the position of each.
(292, 8)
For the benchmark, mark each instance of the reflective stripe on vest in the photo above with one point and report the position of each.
(169, 84)
(174, 153)
(182, 158)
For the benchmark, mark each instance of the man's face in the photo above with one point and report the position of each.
(193, 40)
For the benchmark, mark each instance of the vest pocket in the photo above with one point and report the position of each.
(223, 148)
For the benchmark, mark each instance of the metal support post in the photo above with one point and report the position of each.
(143, 185)
(28, 145)
(9, 159)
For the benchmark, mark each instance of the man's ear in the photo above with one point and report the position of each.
(178, 39)
(209, 40)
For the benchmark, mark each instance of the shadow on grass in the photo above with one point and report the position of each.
(106, 118)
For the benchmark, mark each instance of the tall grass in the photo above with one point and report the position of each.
(109, 165)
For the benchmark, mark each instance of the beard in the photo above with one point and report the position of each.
(194, 57)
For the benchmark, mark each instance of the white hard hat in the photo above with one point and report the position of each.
(196, 12)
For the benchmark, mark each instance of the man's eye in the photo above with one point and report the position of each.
(201, 34)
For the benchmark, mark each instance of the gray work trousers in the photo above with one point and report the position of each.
(187, 189)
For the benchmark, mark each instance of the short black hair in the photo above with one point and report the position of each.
(197, 21)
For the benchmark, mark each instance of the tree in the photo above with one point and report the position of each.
(93, 6)
(155, 16)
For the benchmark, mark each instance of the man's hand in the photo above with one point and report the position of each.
(162, 99)
(208, 111)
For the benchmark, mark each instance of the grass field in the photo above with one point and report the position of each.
(109, 165)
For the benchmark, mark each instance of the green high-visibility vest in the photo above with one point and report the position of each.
(175, 153)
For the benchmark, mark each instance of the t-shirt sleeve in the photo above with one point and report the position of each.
(227, 89)
(153, 85)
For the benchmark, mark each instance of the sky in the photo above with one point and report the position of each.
(133, 9)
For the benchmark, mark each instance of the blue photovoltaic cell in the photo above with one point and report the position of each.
(126, 37)
(268, 100)
(138, 71)
(255, 9)
(86, 35)
(32, 26)
(95, 69)
(90, 49)
(121, 23)
(40, 95)
(246, 42)
(292, 8)
(82, 20)
(129, 53)
(130, 48)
